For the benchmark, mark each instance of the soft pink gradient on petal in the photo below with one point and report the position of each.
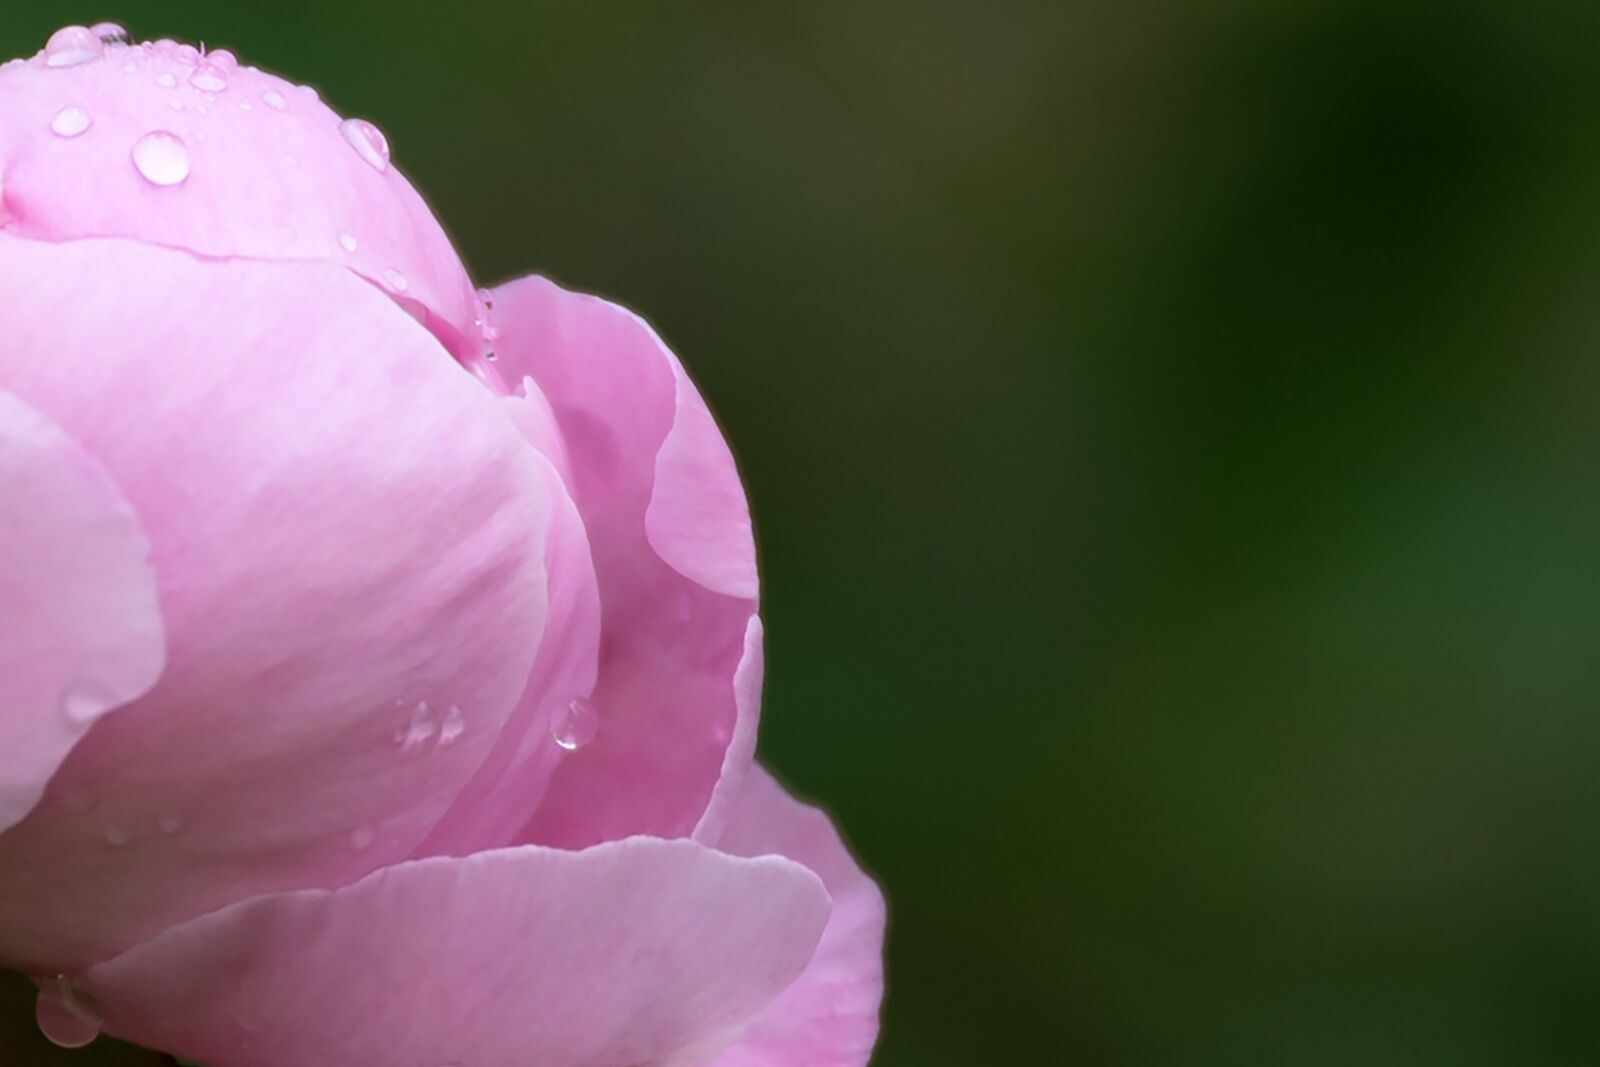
(80, 626)
(629, 953)
(345, 526)
(659, 495)
(739, 762)
(278, 181)
(829, 1017)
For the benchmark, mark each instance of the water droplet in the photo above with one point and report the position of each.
(86, 700)
(420, 730)
(71, 46)
(363, 837)
(310, 91)
(575, 724)
(223, 58)
(455, 724)
(244, 105)
(109, 33)
(130, 68)
(70, 121)
(487, 297)
(175, 104)
(67, 1017)
(395, 280)
(348, 242)
(167, 81)
(170, 823)
(368, 141)
(187, 52)
(209, 78)
(274, 99)
(162, 158)
(117, 836)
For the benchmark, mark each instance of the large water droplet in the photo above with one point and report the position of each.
(574, 724)
(209, 78)
(455, 724)
(274, 99)
(162, 158)
(420, 730)
(109, 33)
(368, 141)
(348, 242)
(395, 280)
(86, 699)
(67, 1016)
(70, 121)
(72, 45)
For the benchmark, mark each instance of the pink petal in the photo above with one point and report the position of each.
(672, 550)
(630, 953)
(80, 628)
(349, 536)
(281, 180)
(829, 1017)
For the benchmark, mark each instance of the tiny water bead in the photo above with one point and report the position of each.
(167, 81)
(109, 33)
(419, 730)
(171, 823)
(368, 141)
(67, 1016)
(275, 100)
(72, 45)
(70, 121)
(348, 242)
(85, 700)
(162, 158)
(395, 280)
(363, 837)
(575, 724)
(455, 724)
(209, 78)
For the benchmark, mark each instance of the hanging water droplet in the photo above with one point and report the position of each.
(395, 280)
(70, 121)
(167, 81)
(348, 242)
(455, 724)
(170, 823)
(420, 730)
(363, 837)
(72, 45)
(85, 700)
(67, 1016)
(162, 158)
(368, 141)
(274, 99)
(575, 724)
(117, 836)
(209, 78)
(109, 33)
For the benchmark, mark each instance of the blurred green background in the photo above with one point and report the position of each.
(1174, 433)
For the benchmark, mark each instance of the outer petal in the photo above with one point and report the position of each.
(277, 181)
(672, 551)
(631, 953)
(80, 628)
(348, 532)
(829, 1017)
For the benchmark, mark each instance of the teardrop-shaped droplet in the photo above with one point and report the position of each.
(162, 158)
(368, 141)
(67, 1016)
(72, 45)
(575, 724)
(70, 121)
(86, 699)
(454, 725)
(209, 78)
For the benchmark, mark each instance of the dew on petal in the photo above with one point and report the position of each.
(348, 242)
(274, 99)
(368, 141)
(419, 730)
(455, 724)
(209, 78)
(167, 81)
(171, 823)
(117, 836)
(575, 724)
(86, 699)
(72, 45)
(162, 158)
(395, 280)
(109, 33)
(67, 1017)
(363, 837)
(175, 104)
(70, 121)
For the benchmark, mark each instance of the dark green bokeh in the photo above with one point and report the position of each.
(1173, 435)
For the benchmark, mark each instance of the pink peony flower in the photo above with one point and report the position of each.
(366, 697)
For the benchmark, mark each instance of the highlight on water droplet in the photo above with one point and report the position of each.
(67, 1016)
(419, 730)
(72, 45)
(162, 158)
(368, 141)
(209, 78)
(109, 33)
(348, 242)
(70, 121)
(274, 99)
(575, 723)
(455, 724)
(86, 699)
